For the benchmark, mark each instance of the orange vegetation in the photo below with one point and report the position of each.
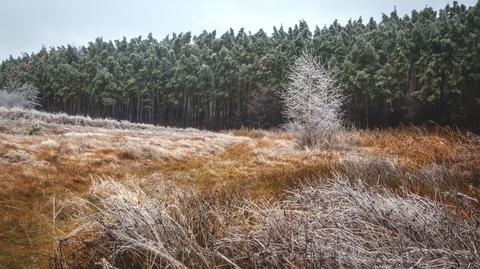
(416, 147)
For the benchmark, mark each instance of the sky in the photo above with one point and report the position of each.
(27, 25)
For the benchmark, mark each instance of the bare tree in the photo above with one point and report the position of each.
(312, 103)
(16, 95)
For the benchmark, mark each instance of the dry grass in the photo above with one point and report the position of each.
(207, 176)
(259, 133)
(134, 230)
(20, 115)
(440, 163)
(349, 225)
(416, 147)
(335, 224)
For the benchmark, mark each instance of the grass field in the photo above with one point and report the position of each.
(82, 193)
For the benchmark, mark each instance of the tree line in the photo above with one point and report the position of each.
(423, 66)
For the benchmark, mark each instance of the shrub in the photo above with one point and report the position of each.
(34, 129)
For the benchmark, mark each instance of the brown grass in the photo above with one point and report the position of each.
(253, 133)
(345, 224)
(416, 147)
(440, 163)
(259, 133)
(332, 224)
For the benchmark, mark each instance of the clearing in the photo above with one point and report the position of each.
(241, 198)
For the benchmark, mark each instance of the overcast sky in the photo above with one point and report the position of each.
(26, 25)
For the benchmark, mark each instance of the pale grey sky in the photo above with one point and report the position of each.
(26, 25)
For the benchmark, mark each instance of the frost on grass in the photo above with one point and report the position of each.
(367, 166)
(130, 229)
(20, 115)
(133, 141)
(16, 156)
(350, 225)
(340, 224)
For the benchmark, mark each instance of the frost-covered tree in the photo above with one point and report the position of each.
(313, 102)
(24, 96)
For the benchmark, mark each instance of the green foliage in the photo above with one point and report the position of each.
(420, 67)
(34, 129)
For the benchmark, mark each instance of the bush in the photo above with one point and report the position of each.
(34, 129)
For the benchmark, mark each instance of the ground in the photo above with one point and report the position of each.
(46, 160)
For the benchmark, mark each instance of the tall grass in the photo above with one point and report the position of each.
(122, 226)
(342, 223)
(350, 225)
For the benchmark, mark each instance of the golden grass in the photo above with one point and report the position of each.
(259, 133)
(439, 163)
(416, 147)
(253, 133)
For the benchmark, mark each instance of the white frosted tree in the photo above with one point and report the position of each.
(15, 95)
(313, 103)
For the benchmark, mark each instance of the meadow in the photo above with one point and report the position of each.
(77, 192)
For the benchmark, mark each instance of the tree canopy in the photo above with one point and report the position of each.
(424, 66)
